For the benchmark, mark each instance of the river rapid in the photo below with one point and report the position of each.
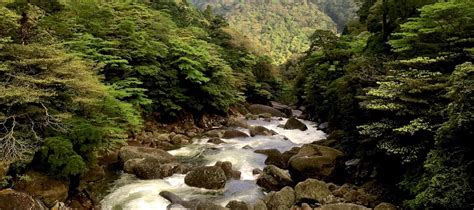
(129, 192)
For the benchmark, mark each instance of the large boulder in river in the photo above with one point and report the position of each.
(150, 168)
(43, 187)
(261, 131)
(209, 177)
(11, 199)
(294, 123)
(230, 134)
(282, 108)
(132, 152)
(313, 161)
(261, 109)
(312, 190)
(239, 205)
(273, 157)
(229, 172)
(283, 199)
(274, 178)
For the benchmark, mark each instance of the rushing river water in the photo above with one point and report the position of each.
(128, 192)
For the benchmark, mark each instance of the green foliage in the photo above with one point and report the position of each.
(408, 102)
(58, 152)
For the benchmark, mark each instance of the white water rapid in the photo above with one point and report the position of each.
(130, 193)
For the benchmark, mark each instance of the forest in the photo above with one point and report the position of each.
(81, 79)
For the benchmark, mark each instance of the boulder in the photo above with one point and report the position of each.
(313, 161)
(214, 133)
(11, 199)
(385, 206)
(305, 206)
(273, 178)
(283, 199)
(256, 171)
(273, 157)
(312, 190)
(260, 205)
(261, 131)
(216, 140)
(180, 139)
(294, 123)
(209, 177)
(43, 187)
(227, 168)
(343, 206)
(164, 137)
(175, 199)
(260, 109)
(282, 108)
(149, 168)
(248, 147)
(238, 122)
(132, 152)
(206, 205)
(238, 205)
(230, 134)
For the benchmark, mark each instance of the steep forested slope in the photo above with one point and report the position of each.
(282, 27)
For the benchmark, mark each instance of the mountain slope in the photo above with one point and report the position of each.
(281, 27)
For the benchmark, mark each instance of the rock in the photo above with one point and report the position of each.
(294, 123)
(11, 199)
(251, 116)
(256, 171)
(174, 199)
(273, 178)
(282, 108)
(352, 194)
(238, 122)
(323, 126)
(81, 200)
(260, 205)
(248, 147)
(306, 206)
(260, 109)
(182, 168)
(238, 205)
(149, 168)
(312, 190)
(283, 199)
(313, 161)
(214, 133)
(60, 206)
(163, 145)
(180, 139)
(230, 134)
(43, 187)
(262, 131)
(266, 116)
(216, 140)
(132, 152)
(227, 168)
(385, 206)
(273, 157)
(209, 177)
(163, 137)
(343, 206)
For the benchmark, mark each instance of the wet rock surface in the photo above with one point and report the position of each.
(209, 177)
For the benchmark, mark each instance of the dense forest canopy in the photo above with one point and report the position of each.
(397, 88)
(80, 78)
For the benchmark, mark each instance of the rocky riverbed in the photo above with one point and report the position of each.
(262, 162)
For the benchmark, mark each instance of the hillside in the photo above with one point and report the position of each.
(282, 27)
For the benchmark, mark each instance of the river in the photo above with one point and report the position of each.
(131, 193)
